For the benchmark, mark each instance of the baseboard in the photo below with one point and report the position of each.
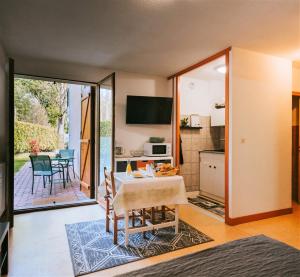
(255, 217)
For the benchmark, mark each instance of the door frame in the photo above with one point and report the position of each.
(9, 211)
(97, 134)
(296, 94)
(10, 163)
(176, 77)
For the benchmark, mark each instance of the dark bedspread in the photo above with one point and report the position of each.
(253, 256)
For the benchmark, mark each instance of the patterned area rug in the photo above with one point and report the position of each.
(208, 204)
(92, 249)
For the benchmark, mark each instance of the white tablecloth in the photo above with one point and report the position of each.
(138, 193)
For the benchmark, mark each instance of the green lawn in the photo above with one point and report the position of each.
(20, 160)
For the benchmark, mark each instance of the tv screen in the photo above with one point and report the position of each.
(148, 110)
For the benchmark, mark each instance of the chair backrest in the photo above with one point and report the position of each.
(109, 183)
(66, 153)
(40, 163)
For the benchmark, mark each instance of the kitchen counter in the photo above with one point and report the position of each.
(141, 158)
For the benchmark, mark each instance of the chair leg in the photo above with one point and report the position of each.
(63, 173)
(32, 184)
(44, 181)
(153, 218)
(51, 184)
(107, 215)
(144, 221)
(163, 212)
(126, 228)
(73, 171)
(115, 229)
(69, 176)
(133, 219)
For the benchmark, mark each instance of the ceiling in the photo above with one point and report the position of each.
(148, 36)
(208, 71)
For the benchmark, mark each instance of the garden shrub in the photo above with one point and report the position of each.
(105, 128)
(25, 132)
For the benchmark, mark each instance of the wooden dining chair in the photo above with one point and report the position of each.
(110, 188)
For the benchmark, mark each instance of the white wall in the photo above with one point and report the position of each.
(132, 137)
(129, 136)
(200, 97)
(260, 133)
(194, 96)
(74, 123)
(3, 106)
(296, 78)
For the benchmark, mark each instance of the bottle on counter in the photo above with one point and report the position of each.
(128, 168)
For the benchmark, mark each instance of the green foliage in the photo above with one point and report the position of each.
(23, 104)
(105, 128)
(20, 160)
(51, 96)
(26, 132)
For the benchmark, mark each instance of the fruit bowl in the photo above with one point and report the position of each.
(165, 170)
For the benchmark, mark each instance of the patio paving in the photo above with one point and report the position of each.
(23, 198)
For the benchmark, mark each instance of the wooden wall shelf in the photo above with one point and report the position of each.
(190, 128)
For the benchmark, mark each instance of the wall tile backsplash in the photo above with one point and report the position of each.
(194, 141)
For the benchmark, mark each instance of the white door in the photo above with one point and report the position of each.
(218, 178)
(206, 177)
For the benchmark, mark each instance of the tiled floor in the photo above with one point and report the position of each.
(23, 198)
(39, 246)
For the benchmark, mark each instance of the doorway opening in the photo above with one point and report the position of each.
(202, 131)
(53, 143)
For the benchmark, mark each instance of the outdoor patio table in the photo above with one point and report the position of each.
(138, 193)
(64, 161)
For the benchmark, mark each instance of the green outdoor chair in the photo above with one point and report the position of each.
(68, 153)
(41, 166)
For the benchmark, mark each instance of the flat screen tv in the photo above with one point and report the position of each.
(148, 110)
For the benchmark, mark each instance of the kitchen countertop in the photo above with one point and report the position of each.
(216, 151)
(128, 157)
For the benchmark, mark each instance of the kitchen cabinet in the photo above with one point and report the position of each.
(217, 116)
(212, 173)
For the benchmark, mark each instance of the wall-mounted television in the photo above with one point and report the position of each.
(148, 110)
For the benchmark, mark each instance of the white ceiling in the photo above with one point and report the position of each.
(208, 71)
(148, 36)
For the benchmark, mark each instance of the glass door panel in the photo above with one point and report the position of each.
(106, 117)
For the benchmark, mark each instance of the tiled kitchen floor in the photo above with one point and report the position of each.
(23, 198)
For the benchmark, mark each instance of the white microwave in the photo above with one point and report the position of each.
(157, 149)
